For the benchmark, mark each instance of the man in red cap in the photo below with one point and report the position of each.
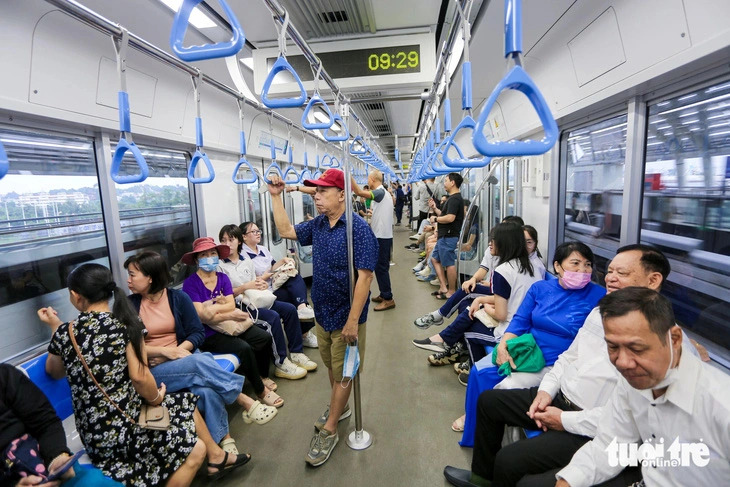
(338, 322)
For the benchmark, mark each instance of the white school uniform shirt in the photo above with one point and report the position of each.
(239, 273)
(587, 377)
(537, 265)
(518, 282)
(488, 263)
(694, 409)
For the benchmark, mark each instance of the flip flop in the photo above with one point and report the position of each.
(441, 296)
(224, 469)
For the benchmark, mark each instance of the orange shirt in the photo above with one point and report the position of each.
(159, 321)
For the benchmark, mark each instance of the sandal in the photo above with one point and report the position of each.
(458, 424)
(224, 469)
(441, 296)
(272, 399)
(229, 445)
(270, 384)
(259, 413)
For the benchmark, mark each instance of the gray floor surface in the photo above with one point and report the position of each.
(408, 407)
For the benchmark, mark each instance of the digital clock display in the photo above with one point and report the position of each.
(360, 62)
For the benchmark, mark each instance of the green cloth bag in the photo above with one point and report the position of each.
(525, 353)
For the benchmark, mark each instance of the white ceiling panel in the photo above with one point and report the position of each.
(390, 14)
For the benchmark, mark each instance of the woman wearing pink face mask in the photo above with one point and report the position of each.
(553, 311)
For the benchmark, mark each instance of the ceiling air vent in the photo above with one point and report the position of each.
(333, 16)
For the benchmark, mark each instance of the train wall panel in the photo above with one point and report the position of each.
(220, 197)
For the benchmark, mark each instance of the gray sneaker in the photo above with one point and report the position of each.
(321, 446)
(319, 424)
(427, 320)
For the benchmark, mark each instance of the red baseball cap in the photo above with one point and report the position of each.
(330, 178)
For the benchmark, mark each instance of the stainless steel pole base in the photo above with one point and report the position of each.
(359, 440)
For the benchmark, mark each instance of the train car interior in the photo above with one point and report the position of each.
(127, 126)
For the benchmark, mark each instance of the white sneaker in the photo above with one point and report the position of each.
(309, 340)
(425, 272)
(303, 361)
(419, 267)
(435, 282)
(306, 313)
(415, 237)
(287, 370)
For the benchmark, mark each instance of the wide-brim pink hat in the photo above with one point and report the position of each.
(201, 245)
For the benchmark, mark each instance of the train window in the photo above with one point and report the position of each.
(50, 222)
(309, 211)
(686, 211)
(156, 213)
(594, 161)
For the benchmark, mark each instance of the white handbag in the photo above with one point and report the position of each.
(259, 298)
(282, 274)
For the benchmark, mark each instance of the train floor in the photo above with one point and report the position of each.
(407, 406)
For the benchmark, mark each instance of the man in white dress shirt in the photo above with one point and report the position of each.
(569, 400)
(668, 402)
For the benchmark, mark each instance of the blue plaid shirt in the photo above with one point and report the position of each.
(331, 277)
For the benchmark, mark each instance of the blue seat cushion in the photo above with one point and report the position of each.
(57, 391)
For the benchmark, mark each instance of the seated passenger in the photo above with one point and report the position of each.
(25, 410)
(531, 242)
(553, 311)
(511, 280)
(212, 296)
(294, 290)
(174, 335)
(103, 355)
(570, 398)
(240, 270)
(666, 397)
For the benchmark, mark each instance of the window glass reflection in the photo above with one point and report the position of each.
(156, 214)
(686, 209)
(50, 222)
(595, 160)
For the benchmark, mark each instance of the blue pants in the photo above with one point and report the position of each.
(479, 381)
(200, 374)
(293, 291)
(271, 321)
(460, 300)
(382, 268)
(478, 336)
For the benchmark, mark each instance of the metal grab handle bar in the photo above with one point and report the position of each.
(200, 156)
(316, 100)
(337, 119)
(125, 126)
(208, 51)
(4, 163)
(273, 166)
(516, 79)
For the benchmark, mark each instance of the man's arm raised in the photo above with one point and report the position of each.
(281, 220)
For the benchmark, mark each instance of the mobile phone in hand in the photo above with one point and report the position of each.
(58, 473)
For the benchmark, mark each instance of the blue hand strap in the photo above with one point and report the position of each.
(447, 115)
(122, 147)
(334, 162)
(4, 164)
(363, 148)
(517, 79)
(290, 170)
(461, 162)
(316, 100)
(197, 157)
(273, 166)
(344, 133)
(209, 51)
(466, 85)
(244, 180)
(282, 64)
(327, 158)
(512, 27)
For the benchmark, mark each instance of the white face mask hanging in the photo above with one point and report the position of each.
(352, 362)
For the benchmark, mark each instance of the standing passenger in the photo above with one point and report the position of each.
(338, 322)
(382, 225)
(449, 218)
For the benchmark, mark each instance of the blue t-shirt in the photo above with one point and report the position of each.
(554, 315)
(194, 287)
(330, 274)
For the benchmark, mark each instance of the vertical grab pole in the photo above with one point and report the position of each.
(358, 439)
